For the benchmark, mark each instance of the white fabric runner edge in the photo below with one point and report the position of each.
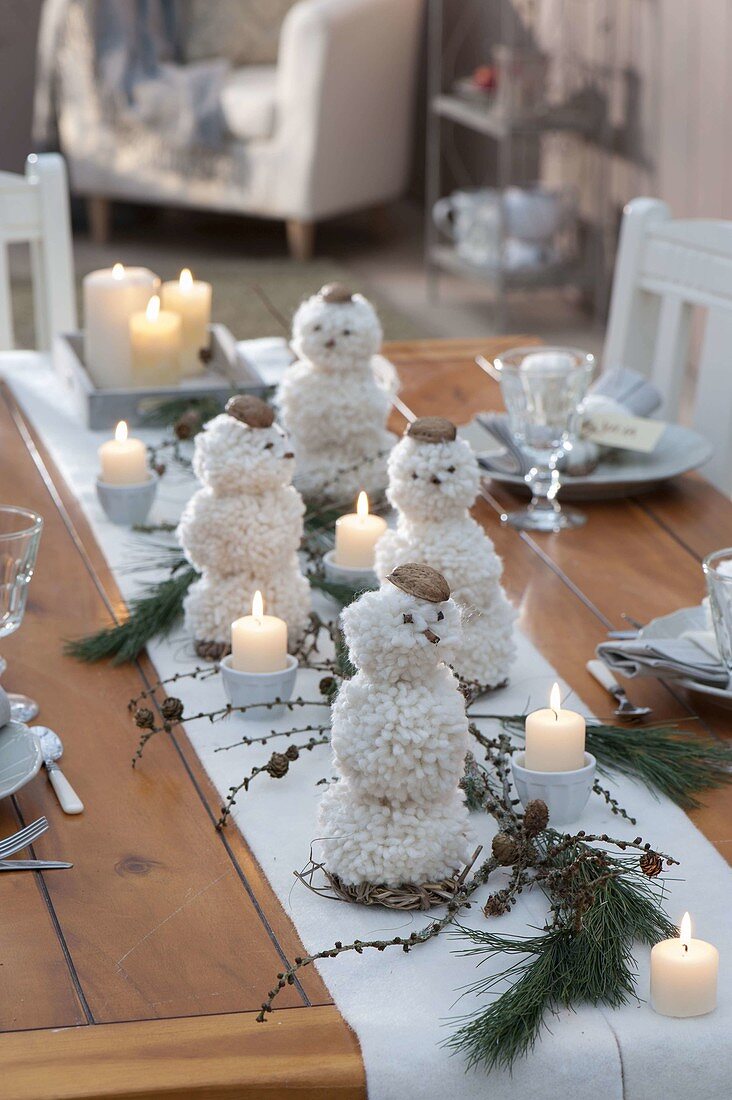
(400, 1005)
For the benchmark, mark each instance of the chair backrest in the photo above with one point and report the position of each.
(664, 270)
(35, 209)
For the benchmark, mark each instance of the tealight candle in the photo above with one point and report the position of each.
(191, 299)
(684, 975)
(155, 336)
(555, 738)
(258, 641)
(123, 459)
(111, 296)
(356, 535)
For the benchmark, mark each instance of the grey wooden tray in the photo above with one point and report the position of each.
(225, 374)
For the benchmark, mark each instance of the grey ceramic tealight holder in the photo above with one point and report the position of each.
(565, 793)
(128, 505)
(244, 688)
(360, 580)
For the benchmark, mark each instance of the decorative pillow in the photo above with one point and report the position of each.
(243, 32)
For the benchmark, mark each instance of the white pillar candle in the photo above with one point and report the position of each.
(155, 335)
(123, 459)
(111, 296)
(259, 641)
(684, 975)
(191, 299)
(356, 535)
(555, 738)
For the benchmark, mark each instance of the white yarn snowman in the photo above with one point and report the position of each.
(242, 530)
(433, 482)
(399, 733)
(332, 403)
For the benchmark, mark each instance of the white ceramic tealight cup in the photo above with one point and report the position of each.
(565, 793)
(273, 688)
(128, 505)
(358, 579)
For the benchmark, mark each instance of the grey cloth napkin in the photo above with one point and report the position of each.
(671, 658)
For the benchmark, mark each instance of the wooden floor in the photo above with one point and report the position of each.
(152, 955)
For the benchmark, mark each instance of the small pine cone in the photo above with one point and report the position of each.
(187, 424)
(172, 709)
(278, 765)
(536, 817)
(496, 905)
(144, 718)
(505, 849)
(651, 864)
(292, 752)
(212, 651)
(328, 686)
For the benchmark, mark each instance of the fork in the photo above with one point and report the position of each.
(32, 864)
(23, 838)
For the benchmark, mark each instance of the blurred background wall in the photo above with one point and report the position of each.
(18, 31)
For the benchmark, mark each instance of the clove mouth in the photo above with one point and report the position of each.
(289, 454)
(431, 636)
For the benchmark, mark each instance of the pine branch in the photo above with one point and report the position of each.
(151, 615)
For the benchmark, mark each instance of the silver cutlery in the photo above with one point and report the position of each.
(33, 865)
(52, 749)
(625, 709)
(23, 838)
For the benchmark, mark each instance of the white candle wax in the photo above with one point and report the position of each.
(155, 336)
(191, 299)
(356, 535)
(123, 459)
(259, 641)
(555, 738)
(111, 296)
(684, 975)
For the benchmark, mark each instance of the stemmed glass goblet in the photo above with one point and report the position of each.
(20, 533)
(542, 389)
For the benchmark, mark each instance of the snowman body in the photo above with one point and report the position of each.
(332, 402)
(399, 734)
(242, 530)
(433, 485)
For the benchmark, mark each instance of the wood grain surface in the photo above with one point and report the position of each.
(152, 954)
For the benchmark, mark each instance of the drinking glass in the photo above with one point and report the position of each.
(718, 573)
(20, 533)
(542, 389)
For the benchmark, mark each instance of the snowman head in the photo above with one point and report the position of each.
(409, 624)
(432, 474)
(243, 450)
(336, 330)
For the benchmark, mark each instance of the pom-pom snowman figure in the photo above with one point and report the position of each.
(334, 400)
(433, 481)
(242, 529)
(399, 734)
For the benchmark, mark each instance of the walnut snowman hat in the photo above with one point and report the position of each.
(432, 473)
(336, 328)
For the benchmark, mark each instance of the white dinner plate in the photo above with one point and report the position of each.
(673, 626)
(20, 757)
(619, 473)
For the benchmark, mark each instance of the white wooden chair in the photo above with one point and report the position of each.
(665, 269)
(35, 208)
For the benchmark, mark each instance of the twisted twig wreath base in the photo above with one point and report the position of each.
(409, 896)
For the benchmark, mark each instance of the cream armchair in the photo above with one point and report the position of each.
(325, 131)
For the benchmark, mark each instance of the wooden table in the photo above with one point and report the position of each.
(138, 974)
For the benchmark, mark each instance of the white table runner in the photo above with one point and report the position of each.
(398, 1004)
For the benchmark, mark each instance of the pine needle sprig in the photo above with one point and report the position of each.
(151, 615)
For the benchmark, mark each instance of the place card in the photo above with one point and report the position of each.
(630, 433)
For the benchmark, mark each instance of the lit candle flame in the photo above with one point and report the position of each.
(685, 931)
(185, 279)
(153, 308)
(120, 432)
(118, 271)
(258, 607)
(555, 700)
(362, 505)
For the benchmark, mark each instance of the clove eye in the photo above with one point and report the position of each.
(414, 477)
(408, 618)
(440, 616)
(451, 469)
(317, 328)
(268, 446)
(346, 332)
